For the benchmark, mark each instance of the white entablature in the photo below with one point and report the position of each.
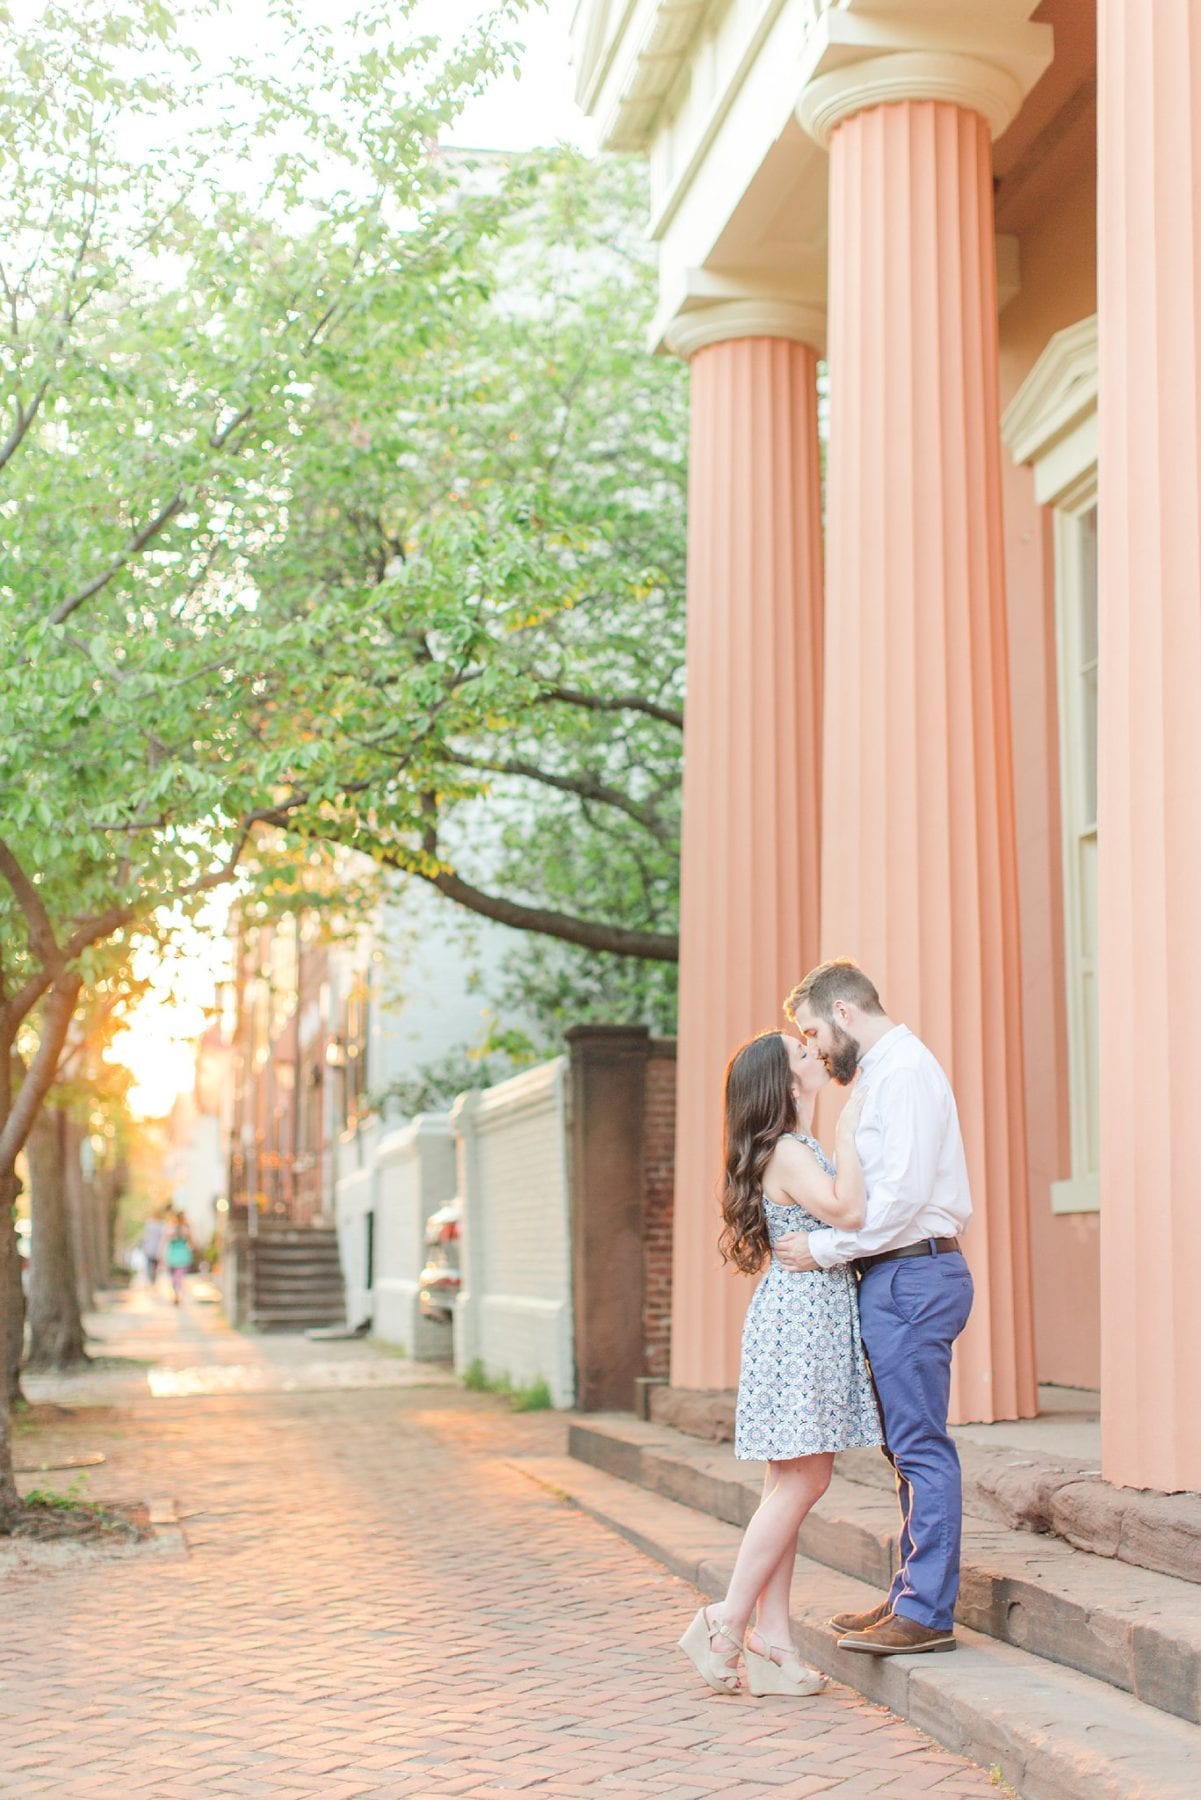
(730, 100)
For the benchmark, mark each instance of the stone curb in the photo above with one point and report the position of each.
(1052, 1733)
(1016, 1488)
(1132, 1628)
(166, 1539)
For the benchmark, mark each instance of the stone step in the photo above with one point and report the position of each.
(1133, 1628)
(1050, 1732)
(312, 1307)
(296, 1256)
(299, 1281)
(291, 1325)
(283, 1228)
(305, 1279)
(330, 1300)
(1027, 1489)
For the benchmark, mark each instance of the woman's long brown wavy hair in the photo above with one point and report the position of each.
(760, 1108)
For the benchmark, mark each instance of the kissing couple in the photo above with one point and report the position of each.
(847, 1339)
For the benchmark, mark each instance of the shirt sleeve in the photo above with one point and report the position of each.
(911, 1126)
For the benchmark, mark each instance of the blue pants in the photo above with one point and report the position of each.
(911, 1312)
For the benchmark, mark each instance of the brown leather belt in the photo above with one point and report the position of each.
(927, 1247)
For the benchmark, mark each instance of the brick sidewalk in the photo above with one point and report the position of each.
(377, 1601)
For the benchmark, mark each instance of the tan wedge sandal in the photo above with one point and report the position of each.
(788, 1677)
(697, 1644)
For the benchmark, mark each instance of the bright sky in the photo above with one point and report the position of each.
(517, 114)
(537, 109)
(159, 1045)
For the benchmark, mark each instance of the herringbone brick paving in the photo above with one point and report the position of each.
(377, 1601)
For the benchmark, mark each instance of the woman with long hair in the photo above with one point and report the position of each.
(804, 1390)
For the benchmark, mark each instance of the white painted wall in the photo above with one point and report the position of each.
(514, 1308)
(415, 1176)
(355, 1198)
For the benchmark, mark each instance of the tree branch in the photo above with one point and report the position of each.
(27, 415)
(669, 715)
(39, 1078)
(25, 418)
(587, 787)
(134, 548)
(612, 940)
(41, 932)
(103, 925)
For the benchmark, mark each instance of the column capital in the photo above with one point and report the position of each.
(723, 320)
(854, 60)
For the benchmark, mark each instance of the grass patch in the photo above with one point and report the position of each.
(536, 1397)
(51, 1498)
(475, 1379)
(48, 1513)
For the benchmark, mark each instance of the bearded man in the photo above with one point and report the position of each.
(915, 1290)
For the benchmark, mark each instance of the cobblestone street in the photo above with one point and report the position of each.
(375, 1600)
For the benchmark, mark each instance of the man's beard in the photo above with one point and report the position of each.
(843, 1059)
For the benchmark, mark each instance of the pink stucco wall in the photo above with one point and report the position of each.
(1058, 276)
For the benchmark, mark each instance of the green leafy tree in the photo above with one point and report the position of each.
(342, 508)
(179, 250)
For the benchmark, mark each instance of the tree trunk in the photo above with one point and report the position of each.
(79, 1197)
(21, 1094)
(10, 1309)
(55, 1321)
(16, 1318)
(118, 1181)
(99, 1261)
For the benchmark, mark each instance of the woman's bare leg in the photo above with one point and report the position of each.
(772, 1602)
(768, 1548)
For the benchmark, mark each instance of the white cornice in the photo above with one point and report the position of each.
(1059, 393)
(650, 42)
(599, 26)
(725, 320)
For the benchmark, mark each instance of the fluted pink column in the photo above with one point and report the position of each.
(751, 837)
(1149, 800)
(918, 869)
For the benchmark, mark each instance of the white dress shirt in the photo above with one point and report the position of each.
(912, 1154)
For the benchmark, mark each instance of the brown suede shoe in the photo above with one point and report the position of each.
(859, 1621)
(895, 1635)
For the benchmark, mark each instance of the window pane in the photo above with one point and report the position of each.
(1088, 586)
(1088, 900)
(1092, 1073)
(1088, 747)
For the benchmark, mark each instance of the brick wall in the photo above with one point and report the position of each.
(659, 1200)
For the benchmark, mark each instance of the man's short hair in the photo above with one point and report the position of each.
(840, 979)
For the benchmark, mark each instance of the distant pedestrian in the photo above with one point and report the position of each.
(179, 1256)
(153, 1233)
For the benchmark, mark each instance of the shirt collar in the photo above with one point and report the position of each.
(881, 1048)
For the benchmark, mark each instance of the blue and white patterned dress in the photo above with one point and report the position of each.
(804, 1385)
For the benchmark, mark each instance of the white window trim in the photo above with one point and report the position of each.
(1051, 424)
